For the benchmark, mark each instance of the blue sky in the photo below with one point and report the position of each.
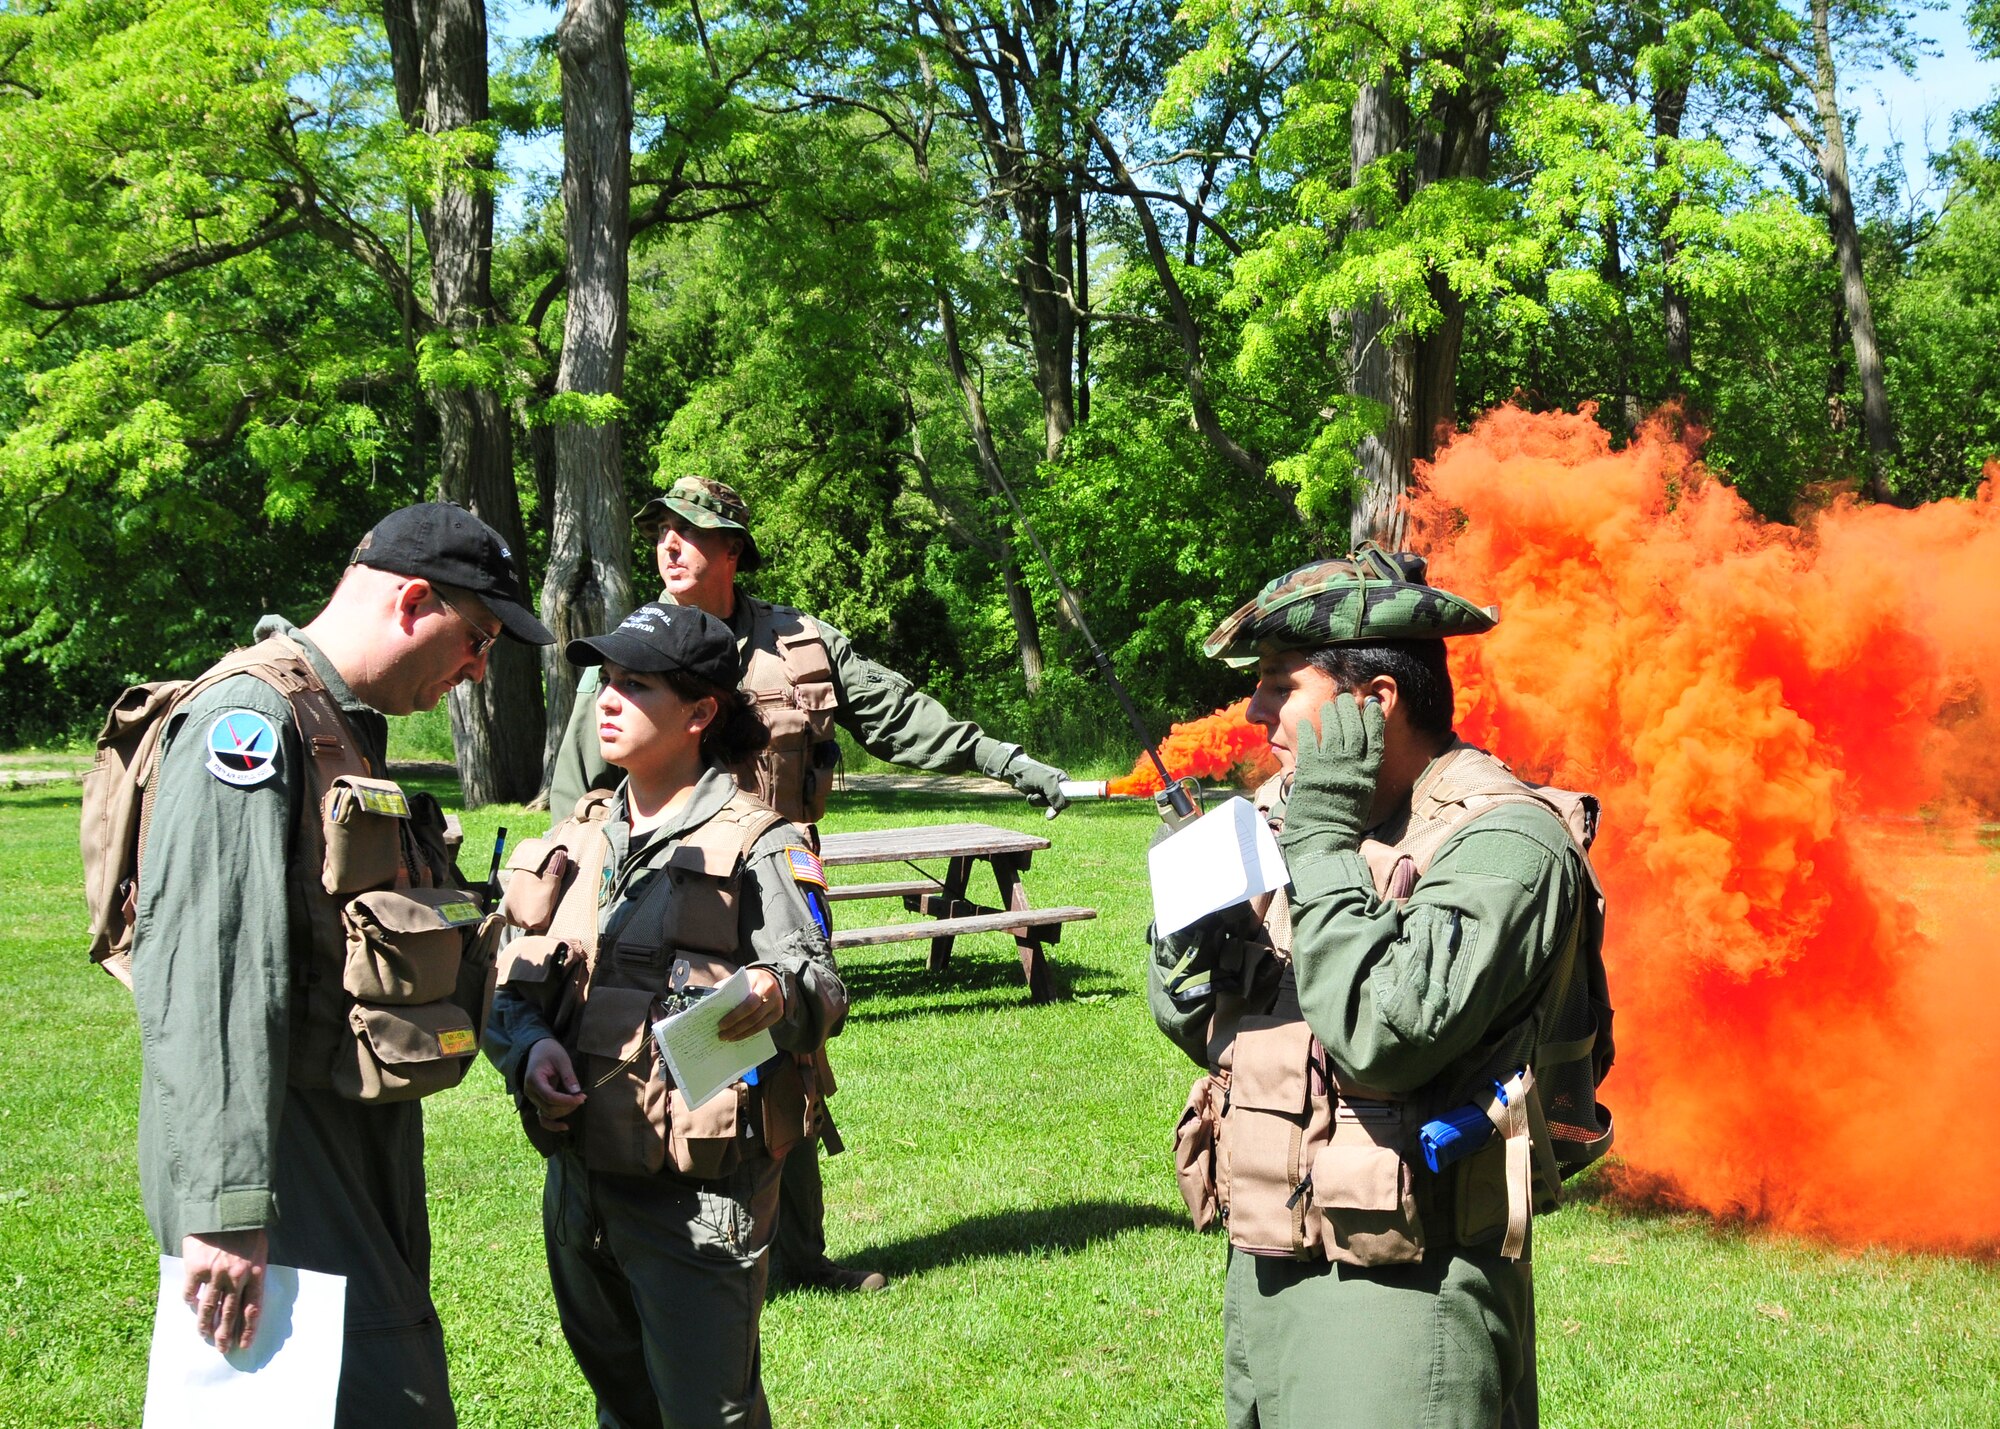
(1917, 109)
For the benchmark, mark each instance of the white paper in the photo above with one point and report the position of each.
(289, 1375)
(701, 1062)
(1225, 857)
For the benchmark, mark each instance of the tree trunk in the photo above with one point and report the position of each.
(1021, 606)
(1047, 319)
(1027, 628)
(1669, 104)
(1838, 347)
(1612, 271)
(589, 584)
(1875, 418)
(1415, 379)
(438, 56)
(1080, 229)
(1381, 365)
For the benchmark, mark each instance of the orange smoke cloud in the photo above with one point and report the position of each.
(1223, 745)
(1805, 969)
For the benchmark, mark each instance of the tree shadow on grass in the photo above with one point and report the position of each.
(1039, 1232)
(983, 983)
(44, 796)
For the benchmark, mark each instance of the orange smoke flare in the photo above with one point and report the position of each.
(1805, 972)
(1223, 745)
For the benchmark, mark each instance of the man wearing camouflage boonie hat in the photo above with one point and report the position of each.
(806, 678)
(708, 505)
(1399, 978)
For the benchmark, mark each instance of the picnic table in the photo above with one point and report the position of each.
(943, 900)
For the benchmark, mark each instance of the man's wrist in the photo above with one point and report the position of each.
(1319, 869)
(992, 756)
(238, 1210)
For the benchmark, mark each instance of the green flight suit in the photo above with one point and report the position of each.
(1398, 995)
(225, 1143)
(893, 721)
(659, 1280)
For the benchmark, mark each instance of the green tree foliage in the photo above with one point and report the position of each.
(1185, 285)
(192, 369)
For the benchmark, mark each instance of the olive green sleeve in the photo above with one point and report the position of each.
(1180, 982)
(580, 765)
(781, 932)
(1397, 993)
(211, 973)
(894, 720)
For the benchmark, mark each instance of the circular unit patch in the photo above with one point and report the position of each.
(243, 748)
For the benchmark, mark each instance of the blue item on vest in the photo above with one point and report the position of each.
(1457, 1134)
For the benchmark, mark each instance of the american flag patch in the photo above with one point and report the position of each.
(806, 867)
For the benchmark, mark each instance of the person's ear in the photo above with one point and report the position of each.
(1383, 688)
(410, 598)
(702, 713)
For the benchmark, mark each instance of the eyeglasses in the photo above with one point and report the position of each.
(481, 640)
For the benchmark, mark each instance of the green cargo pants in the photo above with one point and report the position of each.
(798, 1247)
(659, 1284)
(349, 1181)
(1445, 1344)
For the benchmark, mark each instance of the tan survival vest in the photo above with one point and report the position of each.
(391, 975)
(788, 674)
(1302, 1163)
(602, 1000)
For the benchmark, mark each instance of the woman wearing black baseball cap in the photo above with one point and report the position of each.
(657, 1214)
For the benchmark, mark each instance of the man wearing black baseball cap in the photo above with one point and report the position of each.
(266, 1133)
(449, 546)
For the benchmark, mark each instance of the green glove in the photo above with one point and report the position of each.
(1334, 784)
(1042, 783)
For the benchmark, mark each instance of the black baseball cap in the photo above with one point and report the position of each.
(658, 638)
(447, 544)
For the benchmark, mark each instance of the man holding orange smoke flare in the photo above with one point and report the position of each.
(1402, 1050)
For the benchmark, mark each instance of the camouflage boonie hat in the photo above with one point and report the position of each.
(711, 505)
(1373, 595)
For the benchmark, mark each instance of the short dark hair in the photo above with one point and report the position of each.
(1423, 679)
(735, 733)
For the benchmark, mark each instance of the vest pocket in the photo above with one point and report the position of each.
(1267, 1130)
(363, 821)
(1365, 1194)
(787, 1110)
(784, 774)
(534, 960)
(1194, 1153)
(536, 872)
(1480, 1193)
(404, 945)
(398, 1054)
(624, 1114)
(706, 1141)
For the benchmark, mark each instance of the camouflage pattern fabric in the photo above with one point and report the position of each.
(711, 505)
(1373, 595)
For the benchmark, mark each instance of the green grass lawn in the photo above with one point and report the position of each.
(1007, 1163)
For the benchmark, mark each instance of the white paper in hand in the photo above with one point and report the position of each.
(702, 1063)
(289, 1375)
(1225, 857)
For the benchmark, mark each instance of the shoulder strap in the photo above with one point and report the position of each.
(575, 918)
(732, 832)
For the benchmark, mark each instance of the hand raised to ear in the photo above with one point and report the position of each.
(1333, 787)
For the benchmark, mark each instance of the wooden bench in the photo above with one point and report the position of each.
(943, 901)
